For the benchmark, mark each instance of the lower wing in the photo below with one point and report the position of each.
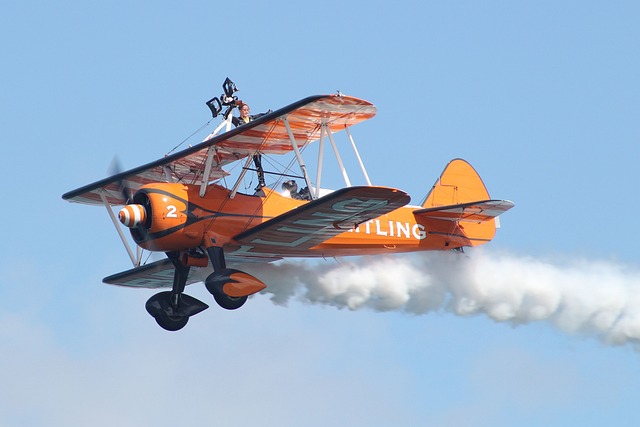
(298, 230)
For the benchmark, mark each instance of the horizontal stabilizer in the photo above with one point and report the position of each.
(479, 211)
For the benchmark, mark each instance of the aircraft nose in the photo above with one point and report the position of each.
(132, 215)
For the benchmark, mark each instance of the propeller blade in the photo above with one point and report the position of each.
(114, 169)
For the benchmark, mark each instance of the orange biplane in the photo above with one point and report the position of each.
(178, 205)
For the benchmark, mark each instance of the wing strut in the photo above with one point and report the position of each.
(355, 150)
(167, 173)
(135, 260)
(207, 171)
(245, 168)
(335, 150)
(292, 139)
(320, 159)
(211, 153)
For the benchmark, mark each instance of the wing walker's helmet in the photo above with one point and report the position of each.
(291, 186)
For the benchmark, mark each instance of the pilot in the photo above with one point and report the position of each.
(304, 194)
(292, 187)
(257, 158)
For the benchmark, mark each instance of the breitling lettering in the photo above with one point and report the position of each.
(391, 229)
(324, 222)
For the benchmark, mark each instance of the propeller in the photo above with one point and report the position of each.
(131, 215)
(115, 169)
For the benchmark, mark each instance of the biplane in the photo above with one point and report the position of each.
(183, 205)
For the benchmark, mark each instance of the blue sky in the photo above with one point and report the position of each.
(541, 97)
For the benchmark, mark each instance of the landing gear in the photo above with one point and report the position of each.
(215, 283)
(230, 288)
(169, 314)
(172, 309)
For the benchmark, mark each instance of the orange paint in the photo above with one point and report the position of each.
(167, 213)
(181, 219)
(243, 284)
(132, 215)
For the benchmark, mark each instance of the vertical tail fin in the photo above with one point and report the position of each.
(459, 196)
(458, 183)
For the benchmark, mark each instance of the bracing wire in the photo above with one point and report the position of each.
(187, 138)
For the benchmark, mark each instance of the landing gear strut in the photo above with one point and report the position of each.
(230, 288)
(172, 309)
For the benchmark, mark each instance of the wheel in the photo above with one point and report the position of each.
(216, 281)
(171, 323)
(169, 318)
(227, 302)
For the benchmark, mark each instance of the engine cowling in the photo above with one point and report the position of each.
(159, 218)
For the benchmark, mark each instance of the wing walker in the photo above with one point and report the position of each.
(191, 206)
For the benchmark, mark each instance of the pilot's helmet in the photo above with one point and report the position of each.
(290, 186)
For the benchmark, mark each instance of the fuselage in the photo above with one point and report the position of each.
(178, 219)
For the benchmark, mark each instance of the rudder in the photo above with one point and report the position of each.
(458, 183)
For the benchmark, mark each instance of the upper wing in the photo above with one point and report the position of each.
(474, 211)
(268, 134)
(300, 229)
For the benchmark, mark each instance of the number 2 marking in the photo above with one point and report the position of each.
(171, 212)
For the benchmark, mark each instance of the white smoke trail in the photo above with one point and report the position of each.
(600, 299)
